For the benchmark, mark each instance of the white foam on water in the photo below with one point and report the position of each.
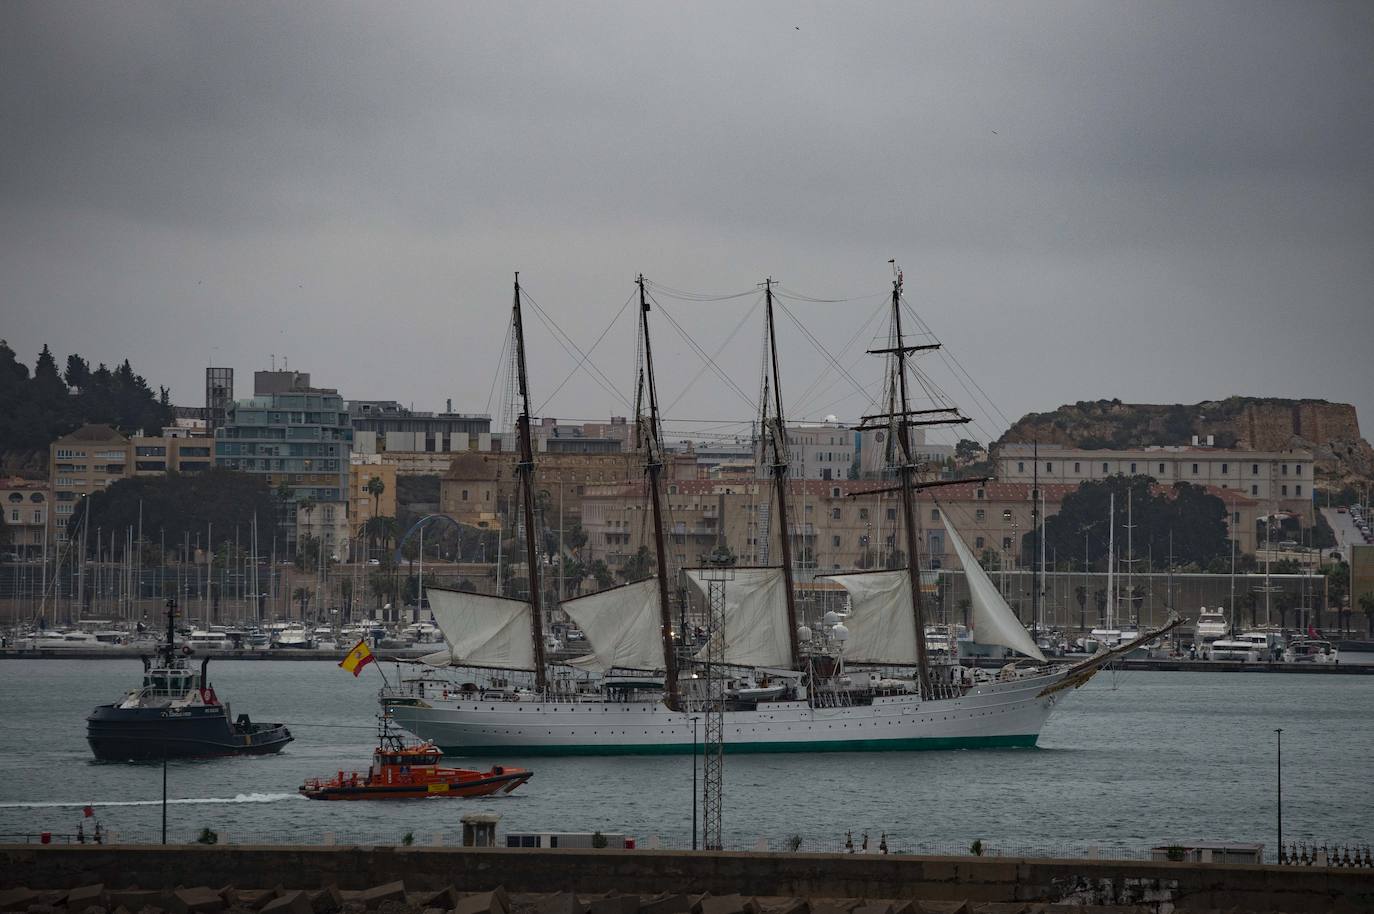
(181, 801)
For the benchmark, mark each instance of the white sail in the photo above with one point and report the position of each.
(481, 631)
(882, 627)
(756, 630)
(623, 626)
(993, 620)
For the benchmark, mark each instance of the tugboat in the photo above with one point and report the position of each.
(176, 714)
(401, 772)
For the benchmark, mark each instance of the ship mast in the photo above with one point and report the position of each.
(899, 419)
(652, 440)
(777, 434)
(525, 470)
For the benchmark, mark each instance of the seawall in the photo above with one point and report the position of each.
(1154, 886)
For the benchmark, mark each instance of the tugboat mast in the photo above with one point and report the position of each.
(777, 435)
(525, 470)
(652, 440)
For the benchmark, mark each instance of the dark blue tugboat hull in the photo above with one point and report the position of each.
(150, 734)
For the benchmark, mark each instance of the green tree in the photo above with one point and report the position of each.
(375, 487)
(966, 451)
(601, 573)
(638, 566)
(1366, 602)
(1080, 594)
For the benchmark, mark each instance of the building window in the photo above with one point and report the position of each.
(1224, 468)
(38, 514)
(979, 543)
(934, 513)
(978, 495)
(1077, 467)
(1006, 515)
(1195, 469)
(1254, 490)
(1297, 469)
(835, 492)
(1006, 543)
(863, 514)
(1254, 469)
(14, 516)
(835, 541)
(1283, 490)
(1161, 469)
(1132, 469)
(464, 496)
(980, 514)
(1297, 490)
(891, 513)
(1104, 466)
(1020, 466)
(1285, 469)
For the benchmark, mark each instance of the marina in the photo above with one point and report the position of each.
(1178, 748)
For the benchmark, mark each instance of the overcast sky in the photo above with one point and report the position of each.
(1152, 201)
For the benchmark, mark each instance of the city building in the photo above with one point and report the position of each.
(326, 522)
(219, 393)
(835, 525)
(363, 505)
(479, 485)
(385, 426)
(24, 507)
(297, 437)
(1280, 481)
(94, 456)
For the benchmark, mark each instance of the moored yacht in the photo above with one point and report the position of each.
(1210, 627)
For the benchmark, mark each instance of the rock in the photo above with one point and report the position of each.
(134, 899)
(197, 900)
(725, 904)
(391, 891)
(493, 902)
(294, 902)
(86, 896)
(560, 903)
(327, 900)
(828, 906)
(614, 904)
(17, 899)
(666, 904)
(873, 907)
(789, 906)
(445, 899)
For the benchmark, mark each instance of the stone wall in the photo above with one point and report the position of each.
(1160, 887)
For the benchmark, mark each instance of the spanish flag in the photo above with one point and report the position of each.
(357, 658)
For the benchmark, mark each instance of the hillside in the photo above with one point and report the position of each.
(1330, 430)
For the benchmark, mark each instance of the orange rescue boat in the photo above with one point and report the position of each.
(401, 772)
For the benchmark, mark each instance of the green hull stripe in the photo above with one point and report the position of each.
(842, 745)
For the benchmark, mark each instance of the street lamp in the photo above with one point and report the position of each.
(1278, 758)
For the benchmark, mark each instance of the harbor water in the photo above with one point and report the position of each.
(1129, 761)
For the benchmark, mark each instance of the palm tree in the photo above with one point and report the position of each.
(1080, 593)
(1367, 606)
(375, 487)
(302, 594)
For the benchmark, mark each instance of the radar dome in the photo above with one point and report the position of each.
(831, 618)
(803, 633)
(840, 633)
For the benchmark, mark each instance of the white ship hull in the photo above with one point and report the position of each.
(995, 714)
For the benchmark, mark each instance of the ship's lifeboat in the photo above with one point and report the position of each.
(412, 773)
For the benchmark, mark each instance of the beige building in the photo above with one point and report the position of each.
(24, 507)
(362, 506)
(478, 484)
(94, 456)
(326, 521)
(1277, 480)
(835, 526)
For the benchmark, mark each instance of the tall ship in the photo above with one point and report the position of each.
(865, 681)
(175, 713)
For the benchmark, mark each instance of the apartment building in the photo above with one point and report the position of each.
(297, 437)
(383, 426)
(24, 507)
(834, 526)
(94, 456)
(362, 504)
(1277, 480)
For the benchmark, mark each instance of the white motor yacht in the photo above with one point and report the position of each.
(1211, 626)
(295, 636)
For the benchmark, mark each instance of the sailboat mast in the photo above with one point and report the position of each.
(1035, 527)
(907, 473)
(1111, 559)
(652, 440)
(525, 470)
(779, 469)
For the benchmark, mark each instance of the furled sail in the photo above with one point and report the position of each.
(882, 627)
(481, 630)
(756, 630)
(993, 620)
(622, 625)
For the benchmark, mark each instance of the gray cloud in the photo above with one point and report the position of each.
(1152, 201)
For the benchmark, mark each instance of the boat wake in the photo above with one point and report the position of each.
(182, 801)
